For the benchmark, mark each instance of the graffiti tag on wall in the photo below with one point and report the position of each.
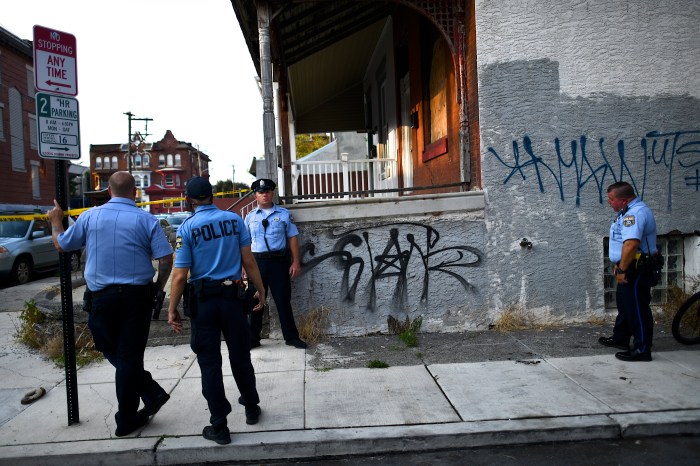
(406, 245)
(599, 168)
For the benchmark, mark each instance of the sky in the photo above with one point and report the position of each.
(183, 63)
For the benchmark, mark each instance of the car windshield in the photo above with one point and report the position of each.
(14, 229)
(176, 220)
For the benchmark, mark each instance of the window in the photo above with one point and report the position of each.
(2, 127)
(36, 191)
(137, 160)
(33, 132)
(16, 131)
(30, 82)
(146, 160)
(671, 247)
(105, 163)
(146, 181)
(170, 160)
(115, 162)
(169, 180)
(161, 160)
(177, 160)
(137, 181)
(98, 163)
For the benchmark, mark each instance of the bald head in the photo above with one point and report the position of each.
(122, 184)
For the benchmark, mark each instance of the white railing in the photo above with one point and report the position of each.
(343, 179)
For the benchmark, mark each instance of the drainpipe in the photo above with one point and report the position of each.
(263, 10)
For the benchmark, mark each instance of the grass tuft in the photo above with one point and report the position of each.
(377, 364)
(313, 326)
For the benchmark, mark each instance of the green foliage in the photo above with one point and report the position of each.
(307, 143)
(377, 364)
(222, 186)
(407, 330)
(29, 318)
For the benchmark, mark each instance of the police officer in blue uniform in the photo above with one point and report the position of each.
(121, 240)
(632, 245)
(211, 246)
(275, 245)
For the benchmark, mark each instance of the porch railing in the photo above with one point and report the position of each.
(343, 179)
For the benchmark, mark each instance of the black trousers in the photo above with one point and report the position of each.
(120, 320)
(275, 277)
(217, 315)
(634, 316)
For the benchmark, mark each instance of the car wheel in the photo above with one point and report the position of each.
(22, 271)
(74, 262)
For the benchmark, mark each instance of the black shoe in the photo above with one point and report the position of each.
(252, 414)
(155, 407)
(634, 355)
(297, 343)
(254, 344)
(219, 435)
(608, 341)
(127, 428)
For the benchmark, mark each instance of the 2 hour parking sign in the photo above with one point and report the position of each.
(58, 123)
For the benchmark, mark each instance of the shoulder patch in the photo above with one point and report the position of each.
(628, 221)
(178, 242)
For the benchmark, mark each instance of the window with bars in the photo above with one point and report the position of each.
(671, 247)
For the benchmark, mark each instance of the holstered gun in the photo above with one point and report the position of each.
(158, 298)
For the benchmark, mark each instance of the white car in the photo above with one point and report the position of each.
(26, 247)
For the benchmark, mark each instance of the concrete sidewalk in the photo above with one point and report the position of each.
(310, 412)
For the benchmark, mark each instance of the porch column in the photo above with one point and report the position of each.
(263, 9)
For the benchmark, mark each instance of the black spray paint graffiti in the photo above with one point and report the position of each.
(666, 151)
(354, 248)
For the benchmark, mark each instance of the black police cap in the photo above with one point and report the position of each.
(263, 184)
(198, 188)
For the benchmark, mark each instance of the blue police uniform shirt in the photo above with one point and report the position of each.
(121, 241)
(280, 226)
(635, 222)
(209, 243)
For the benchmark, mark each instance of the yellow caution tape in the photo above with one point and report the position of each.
(74, 212)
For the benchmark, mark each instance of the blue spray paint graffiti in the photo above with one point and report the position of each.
(393, 261)
(659, 150)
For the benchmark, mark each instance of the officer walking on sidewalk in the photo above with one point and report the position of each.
(211, 246)
(632, 251)
(121, 239)
(275, 245)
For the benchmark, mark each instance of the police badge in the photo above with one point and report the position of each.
(628, 221)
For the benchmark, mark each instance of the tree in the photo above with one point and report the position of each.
(307, 143)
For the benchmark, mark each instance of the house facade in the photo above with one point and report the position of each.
(29, 181)
(493, 130)
(160, 169)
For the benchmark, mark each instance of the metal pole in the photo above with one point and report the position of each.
(128, 144)
(67, 307)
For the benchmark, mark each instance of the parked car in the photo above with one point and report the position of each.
(177, 219)
(26, 247)
(168, 229)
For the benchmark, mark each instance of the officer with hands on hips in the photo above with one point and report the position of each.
(211, 247)
(632, 236)
(121, 240)
(275, 245)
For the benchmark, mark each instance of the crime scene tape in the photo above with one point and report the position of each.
(74, 212)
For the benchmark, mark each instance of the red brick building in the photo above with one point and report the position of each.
(28, 181)
(161, 169)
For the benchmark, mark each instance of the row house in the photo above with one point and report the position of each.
(484, 135)
(29, 181)
(160, 169)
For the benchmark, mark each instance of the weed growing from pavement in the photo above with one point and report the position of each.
(312, 326)
(377, 364)
(36, 332)
(323, 369)
(406, 330)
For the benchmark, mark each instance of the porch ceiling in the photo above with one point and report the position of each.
(325, 46)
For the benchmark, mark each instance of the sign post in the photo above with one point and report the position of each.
(56, 72)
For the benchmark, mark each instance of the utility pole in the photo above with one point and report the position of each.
(145, 134)
(233, 177)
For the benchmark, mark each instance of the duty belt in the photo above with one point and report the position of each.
(271, 254)
(113, 289)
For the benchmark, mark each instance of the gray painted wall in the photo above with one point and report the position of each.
(573, 96)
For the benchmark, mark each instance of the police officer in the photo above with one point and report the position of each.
(276, 249)
(211, 246)
(121, 239)
(632, 235)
